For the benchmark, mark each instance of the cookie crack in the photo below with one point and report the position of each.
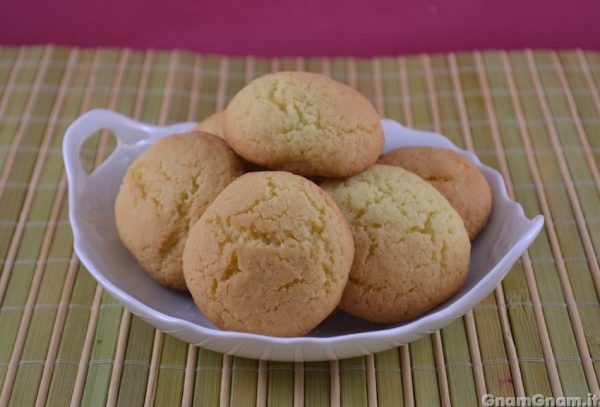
(439, 178)
(136, 173)
(318, 230)
(296, 108)
(290, 284)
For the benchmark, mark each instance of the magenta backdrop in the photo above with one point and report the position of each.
(310, 27)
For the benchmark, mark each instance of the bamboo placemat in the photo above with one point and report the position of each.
(535, 116)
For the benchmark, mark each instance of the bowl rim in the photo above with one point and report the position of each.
(426, 323)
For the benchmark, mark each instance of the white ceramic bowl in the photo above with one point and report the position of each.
(91, 199)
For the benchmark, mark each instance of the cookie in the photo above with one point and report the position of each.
(457, 178)
(305, 123)
(164, 192)
(213, 124)
(271, 255)
(411, 247)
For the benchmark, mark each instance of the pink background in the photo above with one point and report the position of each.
(310, 27)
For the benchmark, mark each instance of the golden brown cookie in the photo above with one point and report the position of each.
(271, 255)
(164, 192)
(457, 178)
(305, 123)
(411, 247)
(213, 124)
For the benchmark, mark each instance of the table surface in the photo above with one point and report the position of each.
(535, 116)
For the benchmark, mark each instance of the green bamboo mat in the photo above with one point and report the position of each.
(535, 116)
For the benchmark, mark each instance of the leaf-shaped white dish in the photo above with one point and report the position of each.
(91, 212)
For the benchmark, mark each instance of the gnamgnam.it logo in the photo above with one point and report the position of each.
(539, 400)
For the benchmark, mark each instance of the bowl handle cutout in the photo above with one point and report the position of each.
(125, 130)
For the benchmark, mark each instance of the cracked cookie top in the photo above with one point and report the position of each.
(305, 123)
(412, 250)
(271, 255)
(457, 178)
(164, 192)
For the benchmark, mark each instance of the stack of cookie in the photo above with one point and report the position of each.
(270, 251)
